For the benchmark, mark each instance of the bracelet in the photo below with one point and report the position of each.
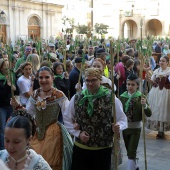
(18, 107)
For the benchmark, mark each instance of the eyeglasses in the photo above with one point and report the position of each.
(130, 84)
(91, 81)
(46, 77)
(28, 49)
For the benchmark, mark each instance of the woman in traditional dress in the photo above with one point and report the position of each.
(51, 139)
(17, 155)
(159, 98)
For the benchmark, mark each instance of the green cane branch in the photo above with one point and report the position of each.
(113, 106)
(10, 71)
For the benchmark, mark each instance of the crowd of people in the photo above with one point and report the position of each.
(61, 115)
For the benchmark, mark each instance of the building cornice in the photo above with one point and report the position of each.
(50, 12)
(58, 3)
(19, 8)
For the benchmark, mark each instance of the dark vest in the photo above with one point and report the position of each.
(162, 82)
(99, 125)
(134, 112)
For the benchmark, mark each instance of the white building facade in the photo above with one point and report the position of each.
(30, 19)
(126, 18)
(122, 16)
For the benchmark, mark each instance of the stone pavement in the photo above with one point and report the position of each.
(157, 153)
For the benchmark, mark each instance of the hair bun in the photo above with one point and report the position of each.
(24, 113)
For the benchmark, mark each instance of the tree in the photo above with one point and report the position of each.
(101, 28)
(82, 29)
(68, 24)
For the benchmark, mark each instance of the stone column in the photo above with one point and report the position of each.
(15, 9)
(49, 23)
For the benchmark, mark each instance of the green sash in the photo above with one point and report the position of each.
(58, 75)
(134, 95)
(90, 97)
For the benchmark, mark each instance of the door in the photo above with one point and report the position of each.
(34, 32)
(3, 34)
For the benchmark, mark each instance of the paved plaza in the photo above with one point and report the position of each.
(157, 151)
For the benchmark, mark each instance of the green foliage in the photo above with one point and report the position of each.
(69, 21)
(82, 29)
(9, 51)
(38, 45)
(101, 28)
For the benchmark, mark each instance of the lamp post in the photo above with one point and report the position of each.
(2, 14)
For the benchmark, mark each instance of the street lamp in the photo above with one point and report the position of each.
(2, 14)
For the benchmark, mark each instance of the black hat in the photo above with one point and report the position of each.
(132, 76)
(101, 51)
(78, 60)
(80, 52)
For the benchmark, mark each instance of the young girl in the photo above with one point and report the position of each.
(61, 79)
(133, 101)
(17, 155)
(129, 67)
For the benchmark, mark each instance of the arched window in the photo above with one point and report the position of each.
(33, 21)
(34, 28)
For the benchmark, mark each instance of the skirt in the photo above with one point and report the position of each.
(56, 147)
(159, 103)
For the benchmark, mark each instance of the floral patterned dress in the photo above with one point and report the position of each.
(34, 161)
(51, 140)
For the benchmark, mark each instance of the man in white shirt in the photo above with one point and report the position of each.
(90, 120)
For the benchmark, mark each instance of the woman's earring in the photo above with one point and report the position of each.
(28, 149)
